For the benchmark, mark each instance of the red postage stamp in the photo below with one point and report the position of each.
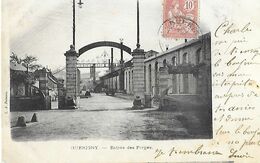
(180, 18)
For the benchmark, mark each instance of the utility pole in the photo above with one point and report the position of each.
(73, 23)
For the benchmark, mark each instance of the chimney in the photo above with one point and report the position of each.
(109, 66)
(121, 53)
(112, 57)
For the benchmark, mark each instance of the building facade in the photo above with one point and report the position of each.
(182, 70)
(194, 54)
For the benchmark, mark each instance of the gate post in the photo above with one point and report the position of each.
(138, 73)
(61, 94)
(43, 86)
(71, 78)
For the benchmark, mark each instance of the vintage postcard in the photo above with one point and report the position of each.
(130, 81)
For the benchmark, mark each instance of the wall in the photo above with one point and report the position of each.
(195, 50)
(17, 89)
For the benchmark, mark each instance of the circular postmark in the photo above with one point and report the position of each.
(177, 28)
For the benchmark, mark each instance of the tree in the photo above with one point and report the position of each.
(14, 58)
(29, 63)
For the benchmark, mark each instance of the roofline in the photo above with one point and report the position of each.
(178, 47)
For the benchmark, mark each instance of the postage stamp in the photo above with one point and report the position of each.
(180, 18)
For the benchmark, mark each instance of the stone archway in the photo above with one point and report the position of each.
(71, 65)
(105, 43)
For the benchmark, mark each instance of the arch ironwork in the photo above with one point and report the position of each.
(104, 43)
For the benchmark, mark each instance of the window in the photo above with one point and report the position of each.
(198, 56)
(164, 63)
(185, 58)
(174, 61)
(156, 78)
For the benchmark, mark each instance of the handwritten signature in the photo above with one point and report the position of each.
(197, 151)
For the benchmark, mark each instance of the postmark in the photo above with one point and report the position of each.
(180, 18)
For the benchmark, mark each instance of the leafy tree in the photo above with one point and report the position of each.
(29, 63)
(14, 58)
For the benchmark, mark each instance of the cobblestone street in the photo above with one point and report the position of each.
(101, 117)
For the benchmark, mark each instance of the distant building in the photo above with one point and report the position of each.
(60, 74)
(17, 79)
(23, 94)
(31, 90)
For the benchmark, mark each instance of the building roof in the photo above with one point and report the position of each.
(188, 43)
(151, 51)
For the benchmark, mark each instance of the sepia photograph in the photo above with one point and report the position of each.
(109, 70)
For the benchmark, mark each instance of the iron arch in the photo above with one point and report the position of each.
(104, 43)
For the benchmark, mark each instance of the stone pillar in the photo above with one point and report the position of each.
(61, 94)
(138, 72)
(43, 86)
(71, 77)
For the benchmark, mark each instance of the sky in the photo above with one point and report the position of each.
(44, 28)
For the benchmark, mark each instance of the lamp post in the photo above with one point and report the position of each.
(138, 27)
(74, 25)
(80, 4)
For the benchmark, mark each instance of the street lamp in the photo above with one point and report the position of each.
(80, 4)
(74, 26)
